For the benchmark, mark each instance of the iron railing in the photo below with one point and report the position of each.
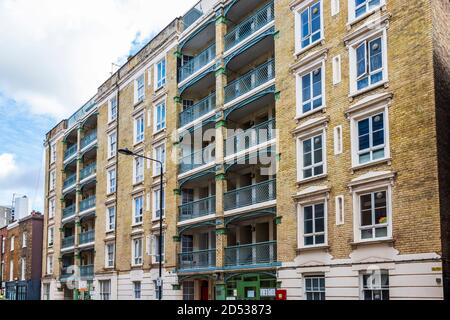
(197, 209)
(87, 237)
(68, 242)
(250, 195)
(251, 80)
(70, 151)
(250, 26)
(69, 211)
(198, 159)
(196, 63)
(249, 138)
(87, 271)
(198, 110)
(70, 181)
(87, 204)
(87, 140)
(197, 259)
(251, 254)
(88, 171)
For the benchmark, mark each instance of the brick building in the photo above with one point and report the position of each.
(305, 148)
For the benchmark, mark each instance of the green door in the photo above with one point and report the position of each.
(248, 290)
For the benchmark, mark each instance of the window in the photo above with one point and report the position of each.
(374, 218)
(11, 270)
(312, 157)
(138, 170)
(23, 266)
(156, 248)
(156, 200)
(3, 244)
(138, 209)
(339, 210)
(335, 7)
(46, 291)
(310, 88)
(50, 264)
(51, 208)
(112, 145)
(109, 255)
(140, 89)
(158, 293)
(139, 129)
(160, 117)
(113, 108)
(375, 285)
(315, 287)
(137, 252)
(359, 8)
(12, 240)
(137, 290)
(188, 290)
(314, 224)
(371, 145)
(24, 239)
(51, 235)
(338, 140)
(309, 22)
(337, 70)
(111, 181)
(52, 153)
(105, 289)
(111, 219)
(52, 180)
(160, 73)
(160, 155)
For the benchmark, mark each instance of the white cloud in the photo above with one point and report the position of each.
(8, 166)
(54, 54)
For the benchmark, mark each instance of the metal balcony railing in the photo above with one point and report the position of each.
(251, 80)
(88, 171)
(68, 242)
(250, 195)
(70, 181)
(251, 254)
(196, 63)
(87, 237)
(87, 204)
(197, 209)
(69, 211)
(249, 138)
(87, 271)
(250, 26)
(65, 273)
(198, 159)
(198, 110)
(197, 259)
(70, 151)
(87, 140)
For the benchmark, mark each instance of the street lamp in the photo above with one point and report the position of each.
(127, 152)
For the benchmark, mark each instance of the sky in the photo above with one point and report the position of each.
(54, 54)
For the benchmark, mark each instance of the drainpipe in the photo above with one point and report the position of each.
(117, 182)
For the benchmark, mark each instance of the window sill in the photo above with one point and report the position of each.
(138, 103)
(324, 247)
(137, 225)
(364, 16)
(322, 176)
(371, 164)
(157, 132)
(309, 113)
(384, 83)
(309, 47)
(389, 241)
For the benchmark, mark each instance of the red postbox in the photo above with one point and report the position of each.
(281, 294)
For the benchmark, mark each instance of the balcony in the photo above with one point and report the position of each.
(191, 16)
(87, 271)
(87, 140)
(69, 211)
(197, 159)
(87, 204)
(250, 81)
(70, 182)
(250, 195)
(88, 171)
(194, 260)
(66, 273)
(87, 237)
(68, 242)
(198, 110)
(197, 209)
(252, 137)
(250, 26)
(197, 63)
(70, 152)
(251, 254)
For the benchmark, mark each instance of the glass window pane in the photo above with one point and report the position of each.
(361, 60)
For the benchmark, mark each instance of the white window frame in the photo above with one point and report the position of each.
(299, 87)
(337, 70)
(160, 82)
(156, 169)
(353, 45)
(12, 243)
(109, 263)
(137, 260)
(158, 127)
(11, 269)
(338, 142)
(313, 276)
(155, 203)
(340, 210)
(24, 239)
(301, 225)
(108, 222)
(300, 168)
(112, 116)
(155, 248)
(52, 182)
(111, 187)
(51, 236)
(23, 265)
(374, 272)
(298, 25)
(364, 114)
(50, 264)
(352, 11)
(139, 136)
(138, 172)
(135, 291)
(52, 153)
(335, 7)
(105, 294)
(137, 217)
(139, 98)
(51, 208)
(112, 144)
